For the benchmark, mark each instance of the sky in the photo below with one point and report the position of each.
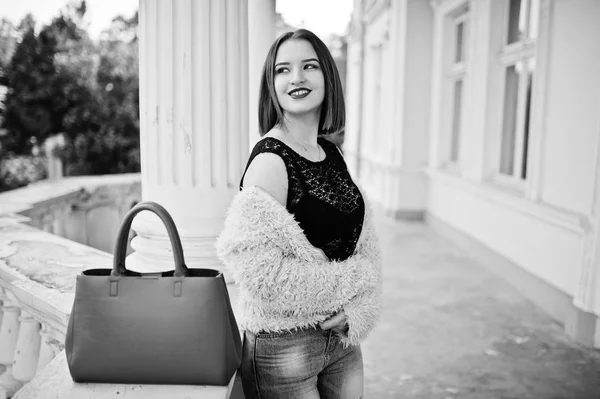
(99, 12)
(321, 16)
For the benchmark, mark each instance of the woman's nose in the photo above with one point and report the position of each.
(297, 77)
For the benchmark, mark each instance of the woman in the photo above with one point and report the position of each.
(298, 238)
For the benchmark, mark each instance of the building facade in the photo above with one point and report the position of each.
(483, 116)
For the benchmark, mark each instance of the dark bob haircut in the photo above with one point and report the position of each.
(333, 109)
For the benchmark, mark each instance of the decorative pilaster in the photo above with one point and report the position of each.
(261, 34)
(9, 333)
(355, 91)
(388, 123)
(193, 123)
(587, 297)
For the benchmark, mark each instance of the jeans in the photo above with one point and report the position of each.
(305, 364)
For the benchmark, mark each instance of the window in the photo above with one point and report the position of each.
(518, 60)
(456, 76)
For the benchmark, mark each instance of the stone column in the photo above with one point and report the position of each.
(261, 34)
(52, 147)
(193, 123)
(404, 180)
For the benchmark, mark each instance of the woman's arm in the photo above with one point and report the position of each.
(267, 171)
(270, 257)
(362, 311)
(360, 314)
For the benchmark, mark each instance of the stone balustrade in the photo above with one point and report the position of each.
(8, 343)
(37, 281)
(85, 209)
(37, 276)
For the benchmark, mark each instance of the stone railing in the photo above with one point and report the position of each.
(37, 276)
(40, 228)
(39, 261)
(86, 209)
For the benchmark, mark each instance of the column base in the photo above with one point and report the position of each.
(581, 327)
(154, 252)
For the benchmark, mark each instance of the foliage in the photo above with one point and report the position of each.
(8, 43)
(62, 82)
(18, 171)
(118, 84)
(29, 103)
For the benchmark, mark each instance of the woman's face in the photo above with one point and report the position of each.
(299, 81)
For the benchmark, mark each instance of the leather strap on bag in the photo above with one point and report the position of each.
(121, 242)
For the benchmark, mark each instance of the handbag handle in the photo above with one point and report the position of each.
(121, 244)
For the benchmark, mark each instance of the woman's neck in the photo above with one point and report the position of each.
(303, 129)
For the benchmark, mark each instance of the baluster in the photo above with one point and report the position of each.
(28, 348)
(49, 348)
(9, 332)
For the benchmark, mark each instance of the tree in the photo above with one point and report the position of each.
(50, 75)
(8, 43)
(75, 63)
(115, 147)
(60, 81)
(10, 36)
(29, 100)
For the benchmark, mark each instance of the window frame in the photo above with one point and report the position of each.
(453, 72)
(523, 50)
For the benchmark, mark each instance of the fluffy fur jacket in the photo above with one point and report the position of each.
(285, 282)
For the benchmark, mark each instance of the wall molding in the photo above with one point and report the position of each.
(570, 221)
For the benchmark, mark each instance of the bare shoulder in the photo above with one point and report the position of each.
(267, 171)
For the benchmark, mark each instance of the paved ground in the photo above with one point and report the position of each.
(450, 329)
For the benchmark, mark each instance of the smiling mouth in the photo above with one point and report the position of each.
(299, 93)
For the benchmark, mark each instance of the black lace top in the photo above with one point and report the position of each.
(321, 195)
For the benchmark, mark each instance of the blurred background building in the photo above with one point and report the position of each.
(482, 117)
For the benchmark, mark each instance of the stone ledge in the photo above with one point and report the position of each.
(49, 306)
(25, 198)
(49, 260)
(55, 382)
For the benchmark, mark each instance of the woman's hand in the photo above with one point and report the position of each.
(337, 323)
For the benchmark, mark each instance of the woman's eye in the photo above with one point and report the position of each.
(311, 66)
(281, 70)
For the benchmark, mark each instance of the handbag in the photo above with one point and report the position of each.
(174, 327)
